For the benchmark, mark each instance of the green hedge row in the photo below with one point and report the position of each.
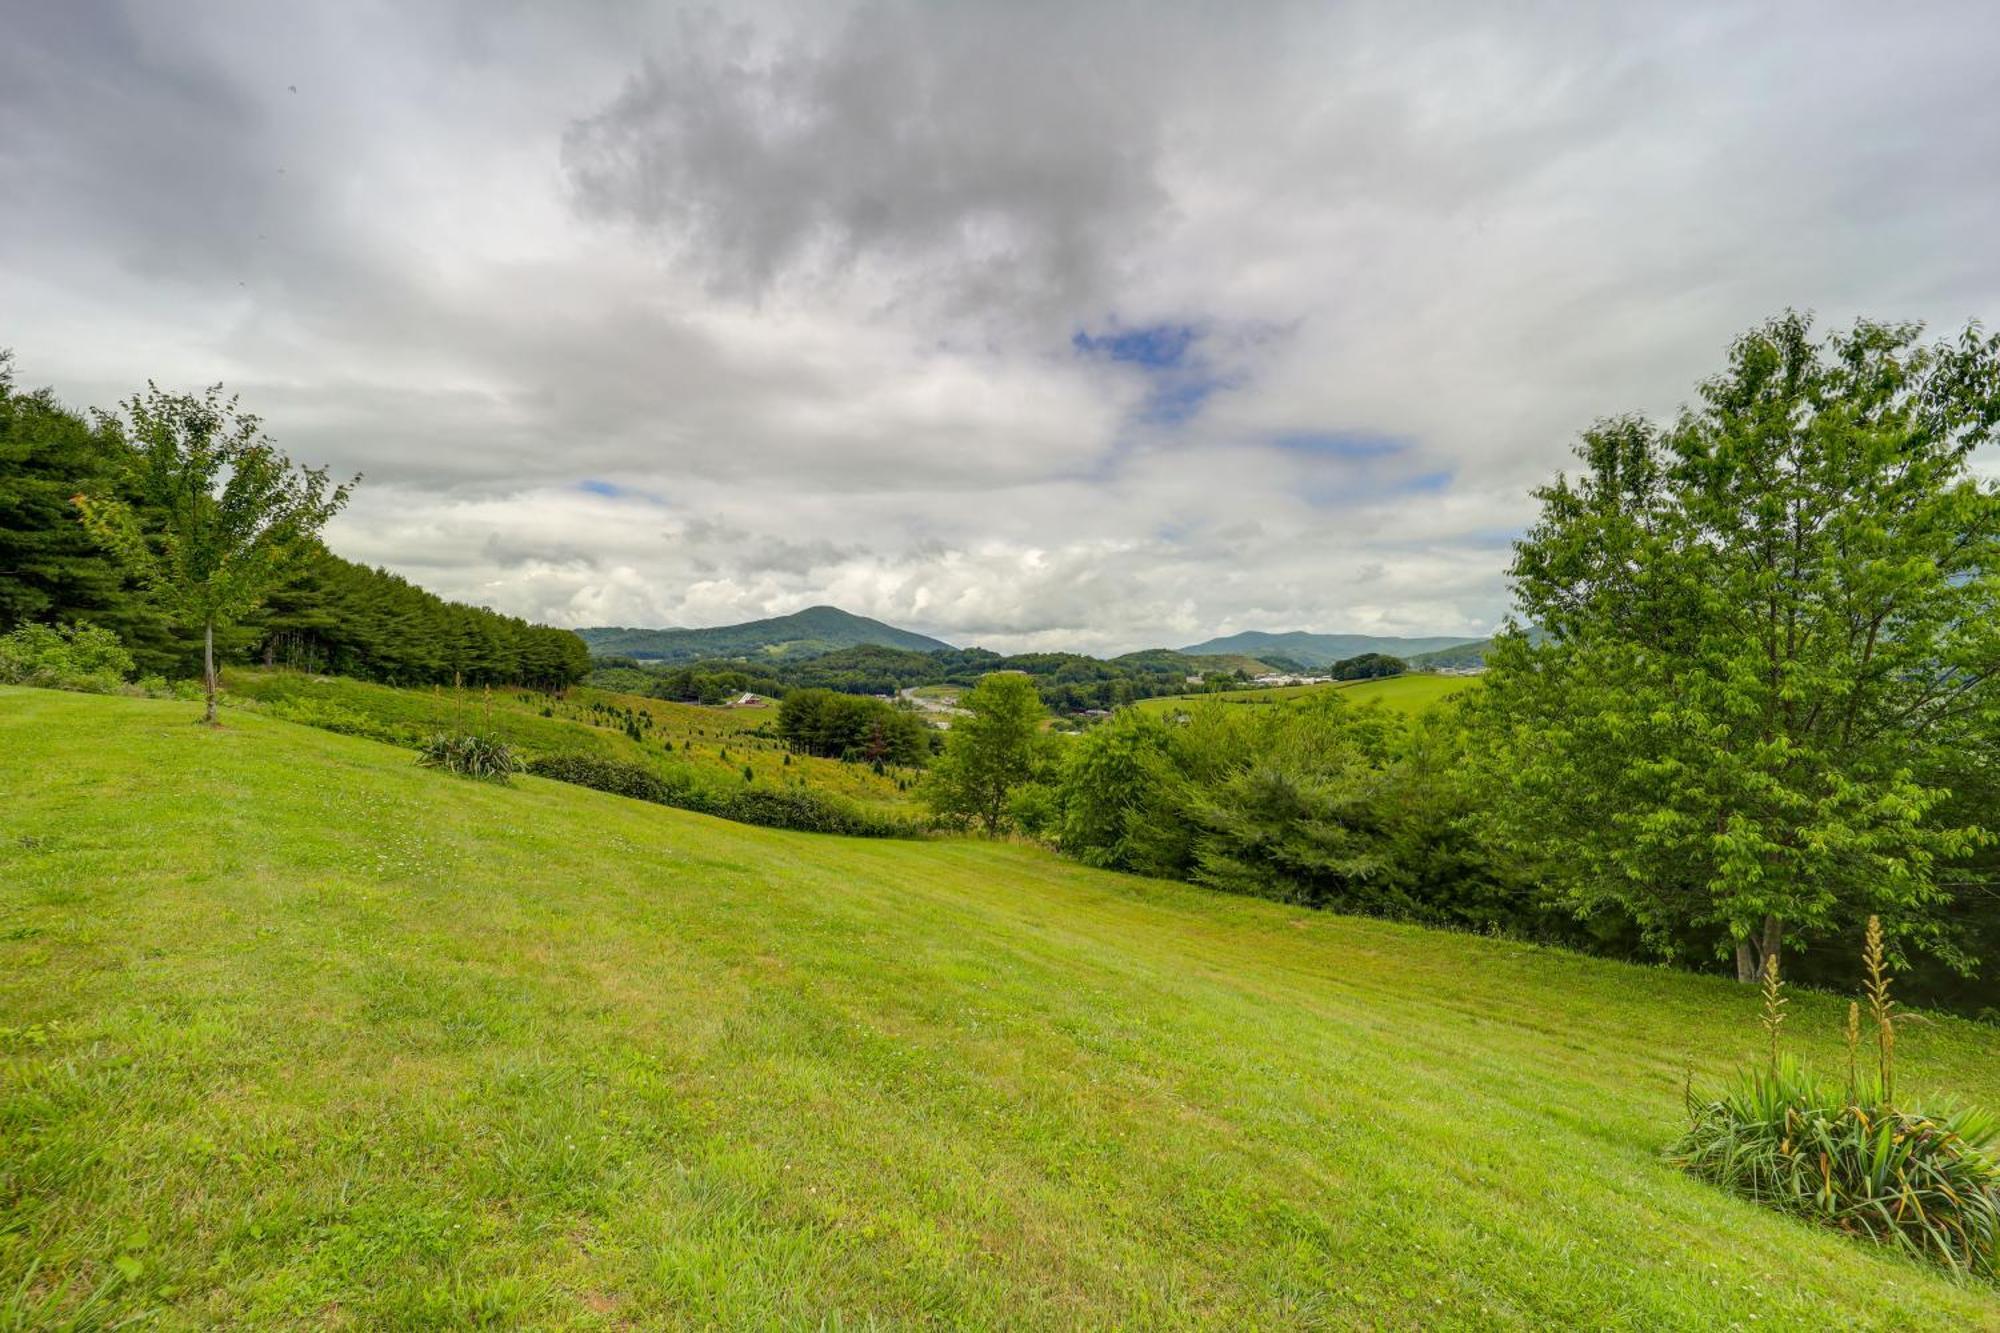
(799, 808)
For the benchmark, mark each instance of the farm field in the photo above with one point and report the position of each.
(298, 1035)
(1411, 693)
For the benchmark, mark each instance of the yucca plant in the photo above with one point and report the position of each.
(469, 754)
(1928, 1183)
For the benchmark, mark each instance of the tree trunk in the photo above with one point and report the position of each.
(1774, 943)
(208, 668)
(1746, 960)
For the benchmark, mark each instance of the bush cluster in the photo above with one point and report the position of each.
(1318, 803)
(798, 808)
(64, 657)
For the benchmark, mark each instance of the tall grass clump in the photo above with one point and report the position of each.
(1848, 1156)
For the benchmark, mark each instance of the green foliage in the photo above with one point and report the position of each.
(1368, 666)
(51, 570)
(994, 748)
(1067, 682)
(64, 657)
(225, 516)
(320, 614)
(1774, 623)
(334, 615)
(1852, 1159)
(846, 726)
(616, 776)
(469, 754)
(1315, 802)
(800, 808)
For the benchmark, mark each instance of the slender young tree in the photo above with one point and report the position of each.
(1772, 623)
(991, 750)
(234, 515)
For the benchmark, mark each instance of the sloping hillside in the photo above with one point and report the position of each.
(1318, 650)
(817, 629)
(1410, 693)
(299, 1035)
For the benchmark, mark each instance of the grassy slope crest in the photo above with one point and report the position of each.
(311, 1037)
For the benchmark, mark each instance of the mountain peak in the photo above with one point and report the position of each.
(812, 632)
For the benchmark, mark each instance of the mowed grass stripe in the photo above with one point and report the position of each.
(356, 1044)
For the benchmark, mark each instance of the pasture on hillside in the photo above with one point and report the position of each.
(1410, 693)
(716, 742)
(299, 1035)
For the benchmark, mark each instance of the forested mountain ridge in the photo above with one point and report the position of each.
(1320, 650)
(808, 633)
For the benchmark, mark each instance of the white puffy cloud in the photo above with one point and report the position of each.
(1025, 324)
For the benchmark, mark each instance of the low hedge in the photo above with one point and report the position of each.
(798, 808)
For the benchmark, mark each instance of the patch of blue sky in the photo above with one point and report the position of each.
(1347, 444)
(611, 490)
(1154, 346)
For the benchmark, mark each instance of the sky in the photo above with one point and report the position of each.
(1085, 326)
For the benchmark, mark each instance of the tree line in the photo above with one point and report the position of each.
(1066, 682)
(196, 538)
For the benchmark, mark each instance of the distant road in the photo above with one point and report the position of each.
(929, 705)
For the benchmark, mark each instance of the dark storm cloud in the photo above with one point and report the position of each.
(1000, 150)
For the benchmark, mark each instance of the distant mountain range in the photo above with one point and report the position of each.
(819, 630)
(809, 633)
(1320, 650)
(1467, 654)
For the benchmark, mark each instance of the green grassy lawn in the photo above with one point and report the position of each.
(1403, 694)
(296, 1034)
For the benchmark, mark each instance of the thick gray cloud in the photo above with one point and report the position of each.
(1027, 324)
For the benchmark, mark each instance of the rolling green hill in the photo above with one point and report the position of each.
(807, 633)
(1319, 650)
(298, 1035)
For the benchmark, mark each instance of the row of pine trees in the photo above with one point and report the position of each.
(332, 615)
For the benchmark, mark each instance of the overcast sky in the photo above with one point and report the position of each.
(1073, 325)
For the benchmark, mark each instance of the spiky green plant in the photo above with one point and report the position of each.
(1927, 1182)
(469, 754)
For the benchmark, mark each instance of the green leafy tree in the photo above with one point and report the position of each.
(996, 747)
(1772, 622)
(235, 516)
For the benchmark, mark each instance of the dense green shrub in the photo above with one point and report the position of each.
(852, 727)
(799, 808)
(616, 776)
(1318, 803)
(64, 657)
(469, 754)
(1851, 1157)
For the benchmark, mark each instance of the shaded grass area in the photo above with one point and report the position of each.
(297, 1034)
(1403, 694)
